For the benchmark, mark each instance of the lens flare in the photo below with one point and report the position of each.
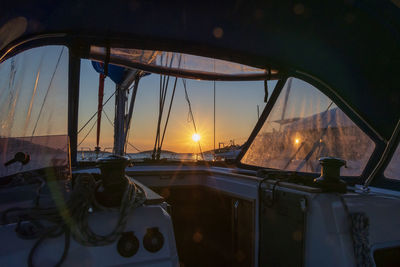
(196, 137)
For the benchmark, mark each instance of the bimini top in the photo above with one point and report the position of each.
(351, 48)
(180, 64)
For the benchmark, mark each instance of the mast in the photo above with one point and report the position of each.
(120, 99)
(99, 111)
(121, 119)
(131, 106)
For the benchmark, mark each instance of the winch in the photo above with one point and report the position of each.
(113, 180)
(330, 180)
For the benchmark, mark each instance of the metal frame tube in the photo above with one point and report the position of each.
(74, 68)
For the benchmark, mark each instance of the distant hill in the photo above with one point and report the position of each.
(151, 151)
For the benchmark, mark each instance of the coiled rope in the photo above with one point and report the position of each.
(133, 197)
(73, 218)
(359, 230)
(360, 234)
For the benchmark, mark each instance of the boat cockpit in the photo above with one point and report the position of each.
(314, 182)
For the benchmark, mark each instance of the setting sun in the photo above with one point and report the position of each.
(196, 137)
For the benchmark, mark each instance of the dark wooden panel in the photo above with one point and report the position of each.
(282, 234)
(243, 232)
(203, 225)
(387, 257)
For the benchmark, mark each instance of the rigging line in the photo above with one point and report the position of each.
(108, 118)
(112, 124)
(88, 133)
(164, 81)
(159, 117)
(166, 85)
(94, 115)
(48, 90)
(160, 111)
(189, 103)
(126, 143)
(159, 114)
(161, 83)
(169, 112)
(191, 114)
(165, 90)
(137, 149)
(134, 88)
(159, 106)
(162, 86)
(164, 94)
(170, 106)
(214, 111)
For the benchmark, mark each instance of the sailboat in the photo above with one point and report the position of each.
(315, 184)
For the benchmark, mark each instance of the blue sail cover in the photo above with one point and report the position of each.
(116, 73)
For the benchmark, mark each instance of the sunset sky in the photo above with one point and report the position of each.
(36, 104)
(236, 112)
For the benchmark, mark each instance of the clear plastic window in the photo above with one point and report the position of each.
(393, 169)
(237, 108)
(303, 126)
(33, 109)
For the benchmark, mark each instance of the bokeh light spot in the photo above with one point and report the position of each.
(298, 9)
(218, 32)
